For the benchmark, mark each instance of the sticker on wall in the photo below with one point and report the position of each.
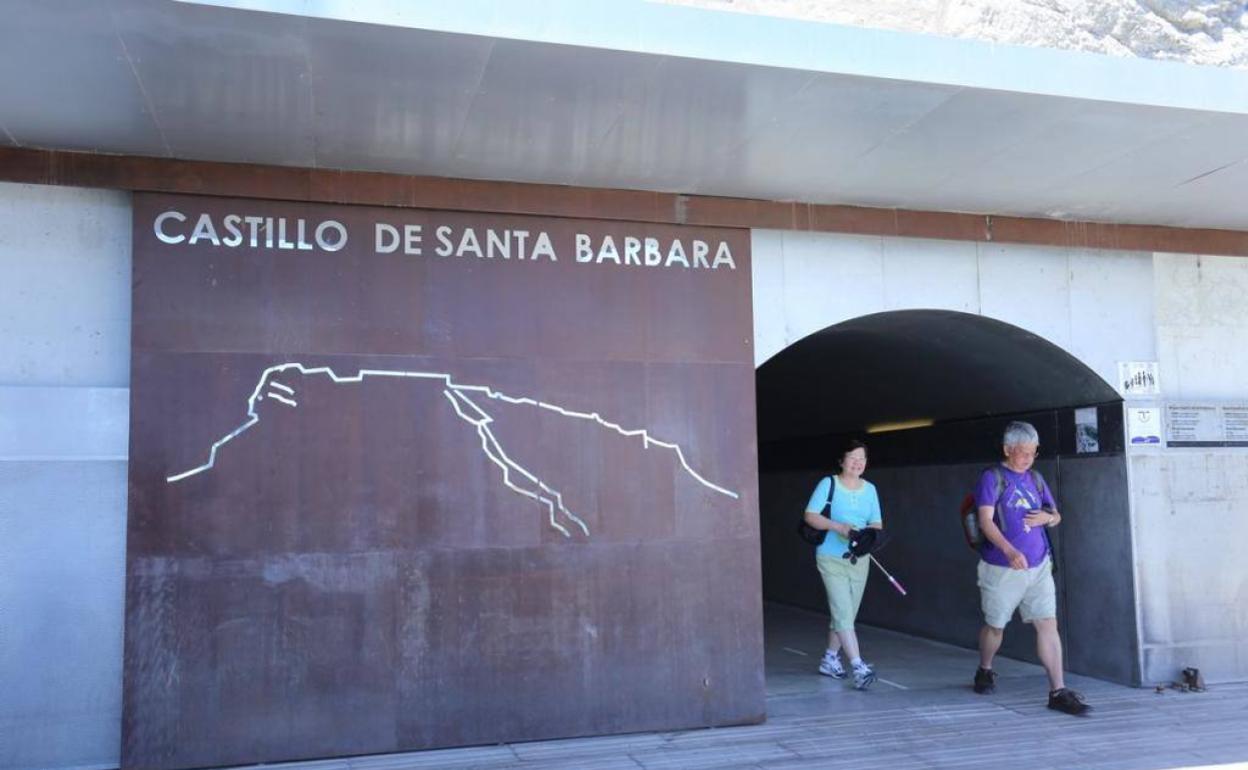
(1138, 378)
(1143, 426)
(1087, 432)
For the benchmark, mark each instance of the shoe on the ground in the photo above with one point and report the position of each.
(1068, 701)
(986, 681)
(864, 676)
(831, 666)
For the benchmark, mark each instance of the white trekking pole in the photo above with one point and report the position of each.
(891, 579)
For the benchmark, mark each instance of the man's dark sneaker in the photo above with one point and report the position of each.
(986, 681)
(1068, 701)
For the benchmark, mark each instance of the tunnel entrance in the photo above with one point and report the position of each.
(930, 391)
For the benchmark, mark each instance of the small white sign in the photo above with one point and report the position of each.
(1138, 378)
(1087, 432)
(1143, 426)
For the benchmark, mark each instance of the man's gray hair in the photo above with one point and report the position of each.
(1018, 433)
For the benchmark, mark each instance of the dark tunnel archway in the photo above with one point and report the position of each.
(956, 379)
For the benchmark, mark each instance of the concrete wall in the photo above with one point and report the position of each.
(1095, 304)
(64, 371)
(1191, 505)
(1187, 312)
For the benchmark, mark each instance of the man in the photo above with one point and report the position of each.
(1016, 569)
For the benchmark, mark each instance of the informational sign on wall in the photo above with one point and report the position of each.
(1235, 423)
(1206, 425)
(1143, 426)
(1138, 378)
(402, 479)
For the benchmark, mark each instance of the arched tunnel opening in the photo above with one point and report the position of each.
(930, 391)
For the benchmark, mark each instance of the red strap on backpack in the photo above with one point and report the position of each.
(968, 513)
(970, 527)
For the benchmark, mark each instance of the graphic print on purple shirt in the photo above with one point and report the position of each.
(1018, 497)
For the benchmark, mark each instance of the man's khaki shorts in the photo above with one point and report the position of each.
(1003, 590)
(844, 583)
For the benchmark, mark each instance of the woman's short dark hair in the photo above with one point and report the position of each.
(848, 446)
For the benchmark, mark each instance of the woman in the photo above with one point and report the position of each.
(854, 505)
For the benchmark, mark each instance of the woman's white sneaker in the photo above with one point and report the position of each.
(831, 666)
(864, 676)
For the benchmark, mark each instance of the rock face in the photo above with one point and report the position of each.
(1212, 32)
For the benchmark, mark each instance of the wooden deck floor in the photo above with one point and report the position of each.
(922, 714)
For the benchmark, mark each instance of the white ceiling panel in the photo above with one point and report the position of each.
(962, 134)
(1156, 171)
(386, 102)
(66, 81)
(212, 82)
(1220, 198)
(651, 28)
(841, 119)
(1075, 140)
(689, 122)
(223, 87)
(547, 108)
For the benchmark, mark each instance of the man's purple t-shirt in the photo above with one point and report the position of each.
(1018, 497)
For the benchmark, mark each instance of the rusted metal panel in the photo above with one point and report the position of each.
(431, 517)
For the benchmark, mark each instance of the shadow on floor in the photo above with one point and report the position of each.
(928, 671)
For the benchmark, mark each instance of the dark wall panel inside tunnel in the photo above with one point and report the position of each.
(954, 441)
(922, 476)
(383, 498)
(1098, 562)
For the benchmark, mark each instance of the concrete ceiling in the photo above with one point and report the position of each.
(1098, 139)
(906, 365)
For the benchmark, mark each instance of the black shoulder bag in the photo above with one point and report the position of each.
(809, 533)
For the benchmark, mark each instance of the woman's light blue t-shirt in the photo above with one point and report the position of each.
(856, 507)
